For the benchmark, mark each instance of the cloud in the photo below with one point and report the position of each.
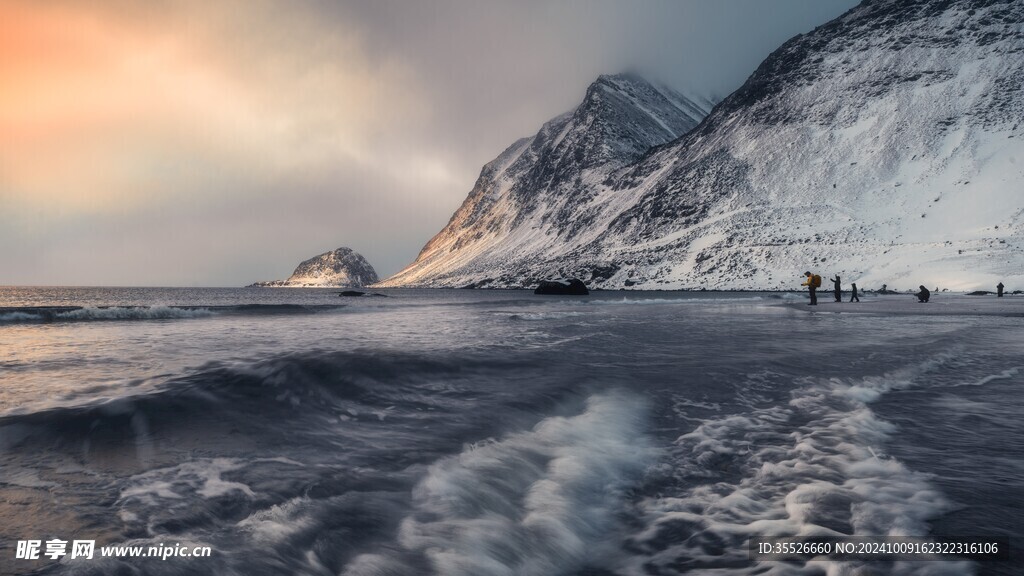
(106, 111)
(222, 142)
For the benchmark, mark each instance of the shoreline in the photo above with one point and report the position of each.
(943, 304)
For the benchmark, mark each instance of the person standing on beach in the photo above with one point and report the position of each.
(837, 289)
(812, 283)
(853, 296)
(999, 290)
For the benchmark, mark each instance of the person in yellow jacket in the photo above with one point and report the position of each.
(812, 283)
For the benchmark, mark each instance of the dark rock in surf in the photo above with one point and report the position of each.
(572, 287)
(357, 293)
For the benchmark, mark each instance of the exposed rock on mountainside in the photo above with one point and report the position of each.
(340, 268)
(885, 146)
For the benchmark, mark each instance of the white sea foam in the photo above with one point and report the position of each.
(279, 522)
(536, 316)
(19, 317)
(1004, 375)
(374, 565)
(281, 460)
(133, 313)
(627, 301)
(539, 502)
(815, 466)
(104, 313)
(201, 477)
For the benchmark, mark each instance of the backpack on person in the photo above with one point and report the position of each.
(816, 281)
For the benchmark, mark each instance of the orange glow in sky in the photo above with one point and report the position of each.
(101, 112)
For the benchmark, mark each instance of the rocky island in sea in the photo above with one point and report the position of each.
(341, 268)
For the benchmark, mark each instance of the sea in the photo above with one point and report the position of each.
(268, 431)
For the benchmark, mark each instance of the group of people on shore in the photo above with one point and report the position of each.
(813, 282)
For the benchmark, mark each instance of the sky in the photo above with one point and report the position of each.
(197, 143)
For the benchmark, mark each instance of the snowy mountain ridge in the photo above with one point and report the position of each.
(544, 185)
(885, 146)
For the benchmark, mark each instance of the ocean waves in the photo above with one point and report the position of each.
(510, 438)
(310, 382)
(37, 314)
(549, 500)
(365, 393)
(815, 466)
(326, 461)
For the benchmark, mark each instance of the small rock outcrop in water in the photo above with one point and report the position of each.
(357, 293)
(339, 268)
(573, 287)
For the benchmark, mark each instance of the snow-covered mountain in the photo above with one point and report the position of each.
(886, 146)
(339, 268)
(543, 192)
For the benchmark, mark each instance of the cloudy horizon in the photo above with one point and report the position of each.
(179, 143)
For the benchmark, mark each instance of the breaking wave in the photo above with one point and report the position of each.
(311, 381)
(544, 501)
(28, 314)
(813, 467)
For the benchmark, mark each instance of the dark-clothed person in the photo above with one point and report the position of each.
(923, 295)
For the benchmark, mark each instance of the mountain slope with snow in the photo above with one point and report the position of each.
(539, 194)
(885, 146)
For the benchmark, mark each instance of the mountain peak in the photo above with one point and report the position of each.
(621, 81)
(624, 115)
(547, 179)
